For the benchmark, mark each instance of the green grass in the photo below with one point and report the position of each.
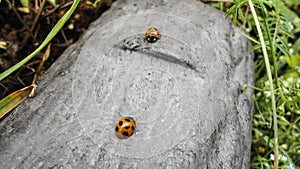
(270, 26)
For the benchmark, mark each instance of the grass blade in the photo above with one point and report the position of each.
(14, 99)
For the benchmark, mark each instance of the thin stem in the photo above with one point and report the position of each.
(273, 50)
(267, 62)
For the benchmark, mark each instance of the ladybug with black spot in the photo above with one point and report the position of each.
(152, 35)
(125, 127)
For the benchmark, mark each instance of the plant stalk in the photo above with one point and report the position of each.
(269, 74)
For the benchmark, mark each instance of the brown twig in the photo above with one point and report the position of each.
(51, 11)
(246, 17)
(36, 31)
(6, 89)
(21, 81)
(58, 8)
(36, 6)
(66, 5)
(38, 15)
(68, 42)
(38, 71)
(32, 63)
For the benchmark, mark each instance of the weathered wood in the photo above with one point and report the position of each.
(184, 91)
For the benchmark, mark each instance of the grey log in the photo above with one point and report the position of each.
(184, 92)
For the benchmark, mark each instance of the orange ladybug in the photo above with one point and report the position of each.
(125, 127)
(152, 35)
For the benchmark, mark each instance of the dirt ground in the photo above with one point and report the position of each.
(22, 30)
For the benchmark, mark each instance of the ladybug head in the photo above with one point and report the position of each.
(152, 39)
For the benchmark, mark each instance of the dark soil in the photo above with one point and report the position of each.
(23, 32)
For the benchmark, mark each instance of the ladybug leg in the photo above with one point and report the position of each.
(120, 114)
(136, 131)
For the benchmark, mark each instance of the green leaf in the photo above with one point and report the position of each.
(268, 2)
(283, 47)
(282, 121)
(258, 46)
(285, 28)
(292, 2)
(53, 3)
(230, 10)
(292, 61)
(24, 3)
(264, 9)
(235, 16)
(289, 14)
(283, 50)
(96, 3)
(240, 12)
(283, 42)
(14, 99)
(296, 46)
(287, 32)
(250, 38)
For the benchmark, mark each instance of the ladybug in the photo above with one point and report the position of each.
(125, 127)
(152, 35)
